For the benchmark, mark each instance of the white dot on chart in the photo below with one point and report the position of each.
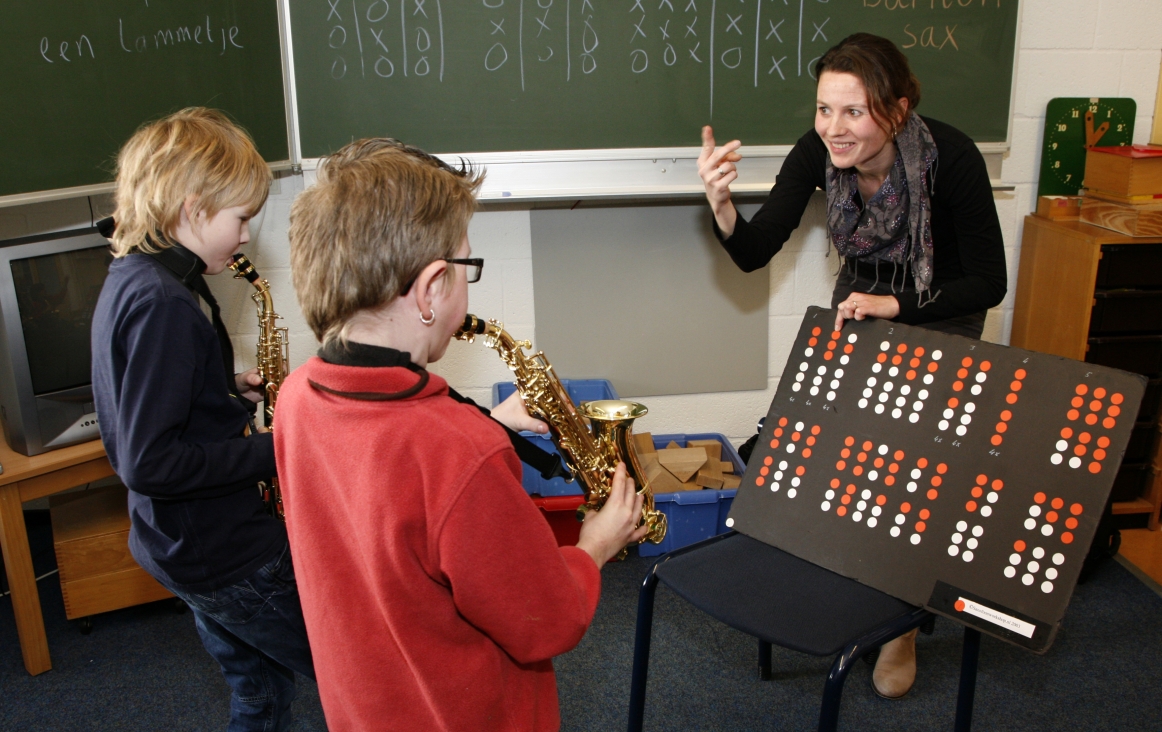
(905, 389)
(782, 465)
(986, 511)
(809, 352)
(844, 359)
(790, 447)
(851, 338)
(913, 417)
(830, 396)
(863, 403)
(969, 407)
(923, 394)
(1059, 558)
(962, 526)
(1014, 559)
(885, 346)
(799, 376)
(967, 556)
(895, 531)
(796, 386)
(879, 409)
(826, 505)
(817, 380)
(882, 449)
(821, 370)
(1038, 553)
(814, 391)
(1047, 530)
(893, 371)
(730, 522)
(873, 475)
(876, 510)
(871, 381)
(1075, 462)
(980, 377)
(936, 355)
(911, 486)
(1034, 510)
(943, 424)
(966, 419)
(876, 368)
(961, 430)
(778, 475)
(897, 412)
(1046, 587)
(1051, 573)
(871, 522)
(915, 539)
(829, 495)
(799, 426)
(792, 493)
(992, 497)
(834, 384)
(972, 543)
(1056, 458)
(888, 386)
(803, 366)
(1010, 572)
(1062, 445)
(977, 531)
(1027, 579)
(975, 390)
(957, 538)
(929, 378)
(917, 406)
(795, 481)
(867, 392)
(838, 373)
(901, 518)
(953, 550)
(901, 401)
(916, 473)
(1030, 524)
(857, 517)
(883, 397)
(866, 495)
(774, 487)
(861, 505)
(948, 413)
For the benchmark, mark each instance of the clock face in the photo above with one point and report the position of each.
(1073, 124)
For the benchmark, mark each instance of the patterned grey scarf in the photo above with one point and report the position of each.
(895, 225)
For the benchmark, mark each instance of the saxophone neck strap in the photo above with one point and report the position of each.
(376, 396)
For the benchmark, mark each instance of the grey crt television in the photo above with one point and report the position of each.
(49, 286)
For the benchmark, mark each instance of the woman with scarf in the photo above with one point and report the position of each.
(909, 209)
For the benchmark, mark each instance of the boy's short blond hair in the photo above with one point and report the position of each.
(196, 152)
(380, 212)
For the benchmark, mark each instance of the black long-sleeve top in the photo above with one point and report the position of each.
(969, 270)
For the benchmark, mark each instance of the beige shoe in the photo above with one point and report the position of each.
(895, 670)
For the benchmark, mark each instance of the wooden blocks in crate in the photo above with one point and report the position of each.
(1129, 170)
(91, 536)
(1059, 208)
(694, 467)
(1131, 219)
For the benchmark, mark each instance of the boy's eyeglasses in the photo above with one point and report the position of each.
(472, 266)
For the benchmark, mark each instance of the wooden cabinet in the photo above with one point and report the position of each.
(1095, 295)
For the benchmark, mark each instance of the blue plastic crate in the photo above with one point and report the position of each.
(580, 390)
(692, 516)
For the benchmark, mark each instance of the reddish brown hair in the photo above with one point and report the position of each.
(883, 68)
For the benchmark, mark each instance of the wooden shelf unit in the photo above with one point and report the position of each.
(1058, 293)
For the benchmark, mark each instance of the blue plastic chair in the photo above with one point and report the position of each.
(786, 601)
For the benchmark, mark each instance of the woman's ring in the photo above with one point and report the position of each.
(721, 172)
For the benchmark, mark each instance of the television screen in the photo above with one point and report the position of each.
(56, 295)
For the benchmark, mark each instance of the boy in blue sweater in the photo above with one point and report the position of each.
(174, 415)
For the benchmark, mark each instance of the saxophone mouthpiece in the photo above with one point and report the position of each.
(472, 326)
(243, 269)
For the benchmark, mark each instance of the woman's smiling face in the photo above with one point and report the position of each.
(844, 121)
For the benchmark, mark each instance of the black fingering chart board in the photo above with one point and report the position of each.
(963, 476)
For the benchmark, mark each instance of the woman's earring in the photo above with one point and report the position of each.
(430, 319)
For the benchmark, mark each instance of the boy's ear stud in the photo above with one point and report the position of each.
(430, 319)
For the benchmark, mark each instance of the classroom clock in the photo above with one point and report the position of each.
(1072, 126)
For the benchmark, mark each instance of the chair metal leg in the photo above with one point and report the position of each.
(764, 660)
(641, 649)
(968, 665)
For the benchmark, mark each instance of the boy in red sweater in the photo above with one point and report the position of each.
(434, 593)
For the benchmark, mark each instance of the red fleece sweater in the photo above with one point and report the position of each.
(434, 593)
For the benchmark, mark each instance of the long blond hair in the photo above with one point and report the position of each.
(196, 154)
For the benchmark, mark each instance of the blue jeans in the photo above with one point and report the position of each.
(254, 629)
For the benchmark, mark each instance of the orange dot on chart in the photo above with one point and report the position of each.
(905, 507)
(910, 375)
(881, 499)
(842, 510)
(1114, 410)
(768, 460)
(920, 526)
(1051, 517)
(816, 331)
(841, 465)
(1076, 509)
(1098, 454)
(760, 480)
(1081, 389)
(933, 494)
(810, 440)
(1109, 423)
(1067, 432)
(957, 385)
(922, 463)
(998, 484)
(919, 351)
(764, 470)
(982, 479)
(889, 480)
(1066, 537)
(882, 357)
(966, 361)
(902, 348)
(1039, 497)
(867, 445)
(962, 373)
(1077, 402)
(795, 436)
(953, 402)
(1019, 545)
(1095, 406)
(849, 441)
(914, 362)
(1001, 427)
(1011, 399)
(1079, 450)
(1006, 415)
(862, 457)
(924, 514)
(1091, 419)
(845, 499)
(778, 432)
(896, 360)
(845, 453)
(894, 468)
(835, 335)
(1103, 441)
(835, 482)
(936, 481)
(932, 366)
(1015, 386)
(827, 355)
(815, 430)
(958, 606)
(970, 506)
(977, 492)
(800, 470)
(942, 468)
(1116, 398)
(878, 462)
(850, 488)
(1019, 374)
(858, 470)
(1072, 414)
(831, 345)
(783, 422)
(985, 365)
(774, 444)
(1071, 523)
(1099, 393)
(1057, 503)
(1084, 438)
(812, 342)
(898, 455)
(848, 348)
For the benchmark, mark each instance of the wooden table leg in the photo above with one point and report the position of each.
(22, 581)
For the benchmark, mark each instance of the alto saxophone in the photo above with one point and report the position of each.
(591, 454)
(273, 361)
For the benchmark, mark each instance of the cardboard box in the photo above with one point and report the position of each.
(1129, 170)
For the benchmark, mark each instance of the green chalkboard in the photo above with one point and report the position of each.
(526, 75)
(77, 77)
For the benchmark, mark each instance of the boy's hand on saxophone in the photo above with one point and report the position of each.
(250, 385)
(512, 414)
(606, 532)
